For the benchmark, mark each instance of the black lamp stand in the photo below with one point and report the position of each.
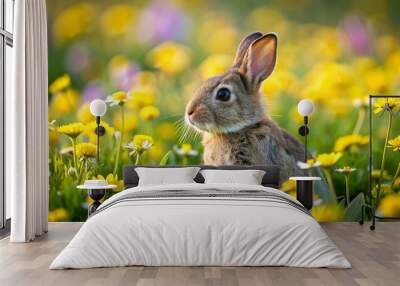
(303, 131)
(100, 131)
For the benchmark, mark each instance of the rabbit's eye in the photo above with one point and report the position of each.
(223, 94)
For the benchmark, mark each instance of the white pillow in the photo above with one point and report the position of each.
(248, 177)
(166, 176)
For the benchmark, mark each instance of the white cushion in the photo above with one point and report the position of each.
(166, 176)
(248, 177)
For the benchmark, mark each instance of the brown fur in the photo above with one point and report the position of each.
(238, 132)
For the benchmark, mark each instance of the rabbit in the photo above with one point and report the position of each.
(228, 111)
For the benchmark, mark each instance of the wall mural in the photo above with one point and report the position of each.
(182, 88)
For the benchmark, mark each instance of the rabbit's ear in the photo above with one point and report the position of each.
(243, 47)
(260, 59)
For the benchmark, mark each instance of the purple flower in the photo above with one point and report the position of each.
(77, 58)
(92, 91)
(124, 77)
(356, 34)
(161, 21)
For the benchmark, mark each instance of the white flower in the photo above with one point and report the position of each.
(185, 150)
(117, 98)
(311, 163)
(345, 170)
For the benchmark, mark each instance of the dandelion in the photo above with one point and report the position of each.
(88, 150)
(84, 115)
(289, 187)
(112, 180)
(170, 57)
(166, 131)
(391, 105)
(59, 214)
(390, 206)
(346, 172)
(326, 213)
(186, 150)
(345, 142)
(395, 144)
(311, 163)
(64, 102)
(117, 98)
(215, 65)
(74, 21)
(327, 160)
(60, 84)
(375, 174)
(139, 145)
(72, 130)
(141, 96)
(149, 113)
(117, 19)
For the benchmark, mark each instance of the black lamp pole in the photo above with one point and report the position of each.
(100, 131)
(303, 131)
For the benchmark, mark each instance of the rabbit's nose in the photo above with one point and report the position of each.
(190, 110)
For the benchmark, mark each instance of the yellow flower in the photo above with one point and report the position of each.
(74, 21)
(130, 122)
(325, 213)
(170, 57)
(142, 142)
(116, 20)
(86, 150)
(141, 96)
(149, 113)
(72, 130)
(376, 174)
(395, 143)
(63, 103)
(139, 144)
(265, 18)
(84, 115)
(53, 137)
(59, 214)
(279, 82)
(156, 152)
(113, 180)
(328, 159)
(289, 187)
(376, 80)
(390, 205)
(217, 34)
(145, 78)
(215, 65)
(117, 98)
(166, 131)
(385, 190)
(345, 142)
(332, 85)
(386, 104)
(60, 84)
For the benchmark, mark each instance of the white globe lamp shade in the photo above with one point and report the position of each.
(98, 107)
(305, 107)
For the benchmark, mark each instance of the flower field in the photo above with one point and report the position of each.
(146, 58)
